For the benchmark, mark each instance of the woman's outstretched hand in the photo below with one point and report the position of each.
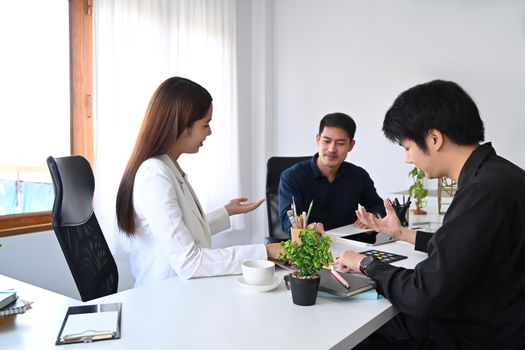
(239, 206)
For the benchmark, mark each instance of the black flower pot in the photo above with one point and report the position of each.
(304, 290)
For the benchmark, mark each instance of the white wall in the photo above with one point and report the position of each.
(309, 58)
(357, 56)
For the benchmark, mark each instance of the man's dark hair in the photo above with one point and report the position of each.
(441, 105)
(338, 120)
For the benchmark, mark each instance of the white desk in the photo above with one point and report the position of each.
(38, 327)
(211, 313)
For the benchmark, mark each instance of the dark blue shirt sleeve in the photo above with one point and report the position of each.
(288, 187)
(370, 199)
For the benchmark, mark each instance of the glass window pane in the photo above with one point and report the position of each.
(34, 101)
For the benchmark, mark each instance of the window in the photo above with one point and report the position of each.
(46, 90)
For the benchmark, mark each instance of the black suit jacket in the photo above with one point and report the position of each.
(471, 288)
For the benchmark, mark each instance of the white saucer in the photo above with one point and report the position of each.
(276, 281)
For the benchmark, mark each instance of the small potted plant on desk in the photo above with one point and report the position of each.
(417, 190)
(310, 256)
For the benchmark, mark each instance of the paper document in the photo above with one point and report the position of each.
(95, 325)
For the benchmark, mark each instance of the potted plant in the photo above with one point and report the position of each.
(310, 256)
(417, 190)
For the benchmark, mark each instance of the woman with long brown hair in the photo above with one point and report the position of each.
(156, 206)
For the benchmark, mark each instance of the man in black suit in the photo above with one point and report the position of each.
(469, 293)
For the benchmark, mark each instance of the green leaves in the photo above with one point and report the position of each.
(416, 174)
(311, 255)
(416, 190)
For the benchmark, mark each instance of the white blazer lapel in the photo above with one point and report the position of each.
(189, 195)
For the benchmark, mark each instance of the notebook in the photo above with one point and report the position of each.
(7, 297)
(18, 306)
(331, 285)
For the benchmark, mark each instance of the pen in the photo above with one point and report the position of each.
(87, 336)
(340, 278)
(309, 211)
(293, 207)
(290, 217)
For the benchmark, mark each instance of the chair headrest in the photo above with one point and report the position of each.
(74, 186)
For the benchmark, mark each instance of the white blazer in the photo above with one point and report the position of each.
(173, 236)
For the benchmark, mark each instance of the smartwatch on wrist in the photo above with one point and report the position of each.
(363, 265)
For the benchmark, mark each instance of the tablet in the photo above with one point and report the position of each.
(372, 238)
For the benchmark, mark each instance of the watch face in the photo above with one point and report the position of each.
(367, 260)
(364, 264)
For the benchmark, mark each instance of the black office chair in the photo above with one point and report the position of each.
(275, 166)
(76, 227)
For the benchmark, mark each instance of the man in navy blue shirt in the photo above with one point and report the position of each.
(335, 186)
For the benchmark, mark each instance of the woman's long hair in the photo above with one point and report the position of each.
(176, 105)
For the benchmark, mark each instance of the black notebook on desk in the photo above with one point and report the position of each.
(88, 323)
(331, 285)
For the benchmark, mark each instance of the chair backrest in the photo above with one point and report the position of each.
(76, 227)
(275, 166)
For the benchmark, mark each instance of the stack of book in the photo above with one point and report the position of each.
(11, 304)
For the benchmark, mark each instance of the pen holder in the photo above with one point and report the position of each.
(295, 234)
(402, 212)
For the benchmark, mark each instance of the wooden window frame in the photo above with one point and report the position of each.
(81, 92)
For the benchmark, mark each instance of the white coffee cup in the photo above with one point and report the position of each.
(258, 272)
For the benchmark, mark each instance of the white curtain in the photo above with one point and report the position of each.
(138, 44)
